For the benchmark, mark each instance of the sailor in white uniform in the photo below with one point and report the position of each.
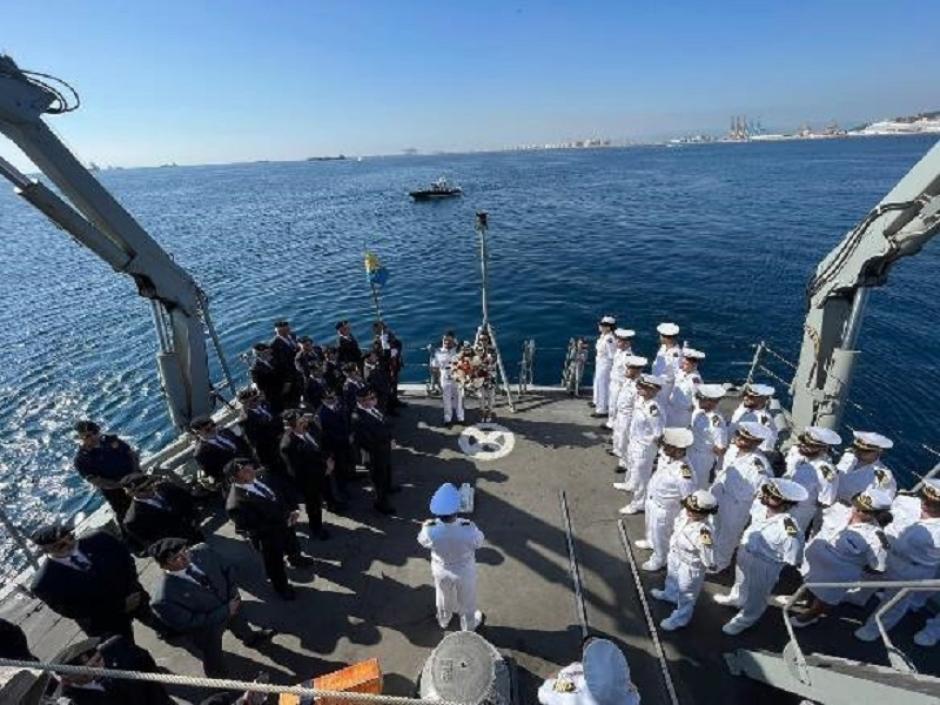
(913, 554)
(604, 350)
(710, 433)
(626, 401)
(453, 543)
(811, 466)
(666, 362)
(691, 556)
(929, 635)
(846, 555)
(618, 370)
(601, 678)
(735, 488)
(443, 362)
(681, 402)
(860, 467)
(755, 406)
(672, 482)
(646, 428)
(771, 541)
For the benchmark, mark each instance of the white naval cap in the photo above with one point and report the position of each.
(874, 499)
(635, 361)
(822, 436)
(651, 380)
(786, 490)
(446, 501)
(710, 391)
(624, 333)
(668, 329)
(693, 354)
(701, 501)
(678, 437)
(869, 440)
(608, 321)
(759, 390)
(607, 674)
(931, 489)
(754, 430)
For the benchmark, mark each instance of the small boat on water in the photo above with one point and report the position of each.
(439, 189)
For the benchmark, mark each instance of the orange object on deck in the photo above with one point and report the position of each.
(361, 677)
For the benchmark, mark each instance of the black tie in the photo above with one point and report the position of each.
(79, 562)
(266, 493)
(198, 576)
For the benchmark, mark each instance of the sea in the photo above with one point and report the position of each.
(719, 238)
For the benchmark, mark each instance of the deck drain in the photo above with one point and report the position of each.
(486, 441)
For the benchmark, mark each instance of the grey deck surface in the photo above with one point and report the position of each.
(370, 593)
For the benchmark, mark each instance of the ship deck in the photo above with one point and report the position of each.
(370, 593)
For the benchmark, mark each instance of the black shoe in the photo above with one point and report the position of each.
(591, 404)
(448, 424)
(383, 508)
(300, 560)
(287, 593)
(619, 470)
(394, 489)
(595, 415)
(260, 636)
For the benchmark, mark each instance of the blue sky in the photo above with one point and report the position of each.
(211, 81)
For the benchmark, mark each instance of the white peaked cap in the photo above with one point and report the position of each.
(635, 361)
(607, 674)
(875, 498)
(678, 437)
(446, 500)
(693, 354)
(931, 489)
(625, 333)
(702, 499)
(789, 490)
(826, 436)
(609, 321)
(875, 440)
(668, 329)
(655, 380)
(710, 391)
(754, 430)
(760, 390)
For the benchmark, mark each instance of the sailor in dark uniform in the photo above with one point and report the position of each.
(159, 509)
(309, 466)
(353, 384)
(335, 434)
(377, 376)
(216, 446)
(263, 429)
(372, 434)
(347, 349)
(332, 370)
(92, 580)
(13, 642)
(197, 596)
(104, 460)
(117, 653)
(284, 349)
(263, 509)
(314, 388)
(307, 356)
(267, 377)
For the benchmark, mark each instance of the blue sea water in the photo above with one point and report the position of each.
(718, 238)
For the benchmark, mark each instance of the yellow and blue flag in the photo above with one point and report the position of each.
(375, 271)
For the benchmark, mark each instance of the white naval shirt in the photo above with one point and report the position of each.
(453, 544)
(709, 431)
(443, 360)
(692, 542)
(819, 478)
(855, 478)
(775, 538)
(672, 482)
(682, 396)
(667, 361)
(604, 350)
(646, 424)
(761, 416)
(741, 478)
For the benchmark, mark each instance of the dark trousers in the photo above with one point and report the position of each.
(209, 643)
(380, 473)
(119, 622)
(120, 502)
(274, 546)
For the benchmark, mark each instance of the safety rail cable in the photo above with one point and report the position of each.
(910, 585)
(221, 683)
(650, 623)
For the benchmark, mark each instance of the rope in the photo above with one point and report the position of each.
(220, 683)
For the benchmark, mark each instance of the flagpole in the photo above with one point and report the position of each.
(375, 300)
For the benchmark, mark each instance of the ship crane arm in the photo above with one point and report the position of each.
(905, 220)
(95, 219)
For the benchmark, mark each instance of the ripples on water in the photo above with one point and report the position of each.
(719, 238)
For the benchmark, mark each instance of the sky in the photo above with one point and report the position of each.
(207, 81)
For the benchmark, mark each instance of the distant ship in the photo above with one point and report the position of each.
(439, 189)
(337, 158)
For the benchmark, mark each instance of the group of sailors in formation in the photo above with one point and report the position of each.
(711, 498)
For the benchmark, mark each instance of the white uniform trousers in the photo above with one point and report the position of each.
(640, 458)
(899, 568)
(601, 386)
(621, 437)
(730, 522)
(702, 463)
(453, 401)
(930, 634)
(684, 583)
(660, 520)
(456, 591)
(612, 392)
(754, 581)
